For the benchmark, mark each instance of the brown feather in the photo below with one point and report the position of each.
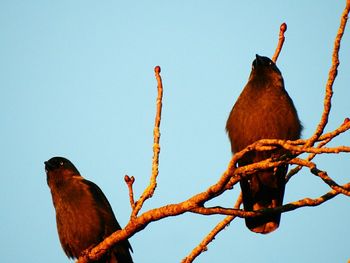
(84, 216)
(264, 110)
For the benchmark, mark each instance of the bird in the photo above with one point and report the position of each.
(84, 216)
(263, 110)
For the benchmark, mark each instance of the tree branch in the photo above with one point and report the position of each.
(130, 181)
(232, 175)
(211, 236)
(283, 29)
(149, 191)
(326, 138)
(331, 77)
(285, 208)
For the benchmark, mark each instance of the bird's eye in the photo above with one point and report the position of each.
(270, 63)
(61, 163)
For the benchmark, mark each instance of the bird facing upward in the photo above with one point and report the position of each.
(263, 110)
(84, 216)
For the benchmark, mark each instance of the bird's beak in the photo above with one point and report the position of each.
(258, 59)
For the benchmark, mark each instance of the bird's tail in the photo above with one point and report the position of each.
(264, 189)
(121, 253)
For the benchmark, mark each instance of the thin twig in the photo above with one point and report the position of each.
(331, 77)
(285, 208)
(326, 138)
(149, 191)
(328, 180)
(321, 174)
(130, 181)
(211, 236)
(283, 29)
(309, 158)
(341, 129)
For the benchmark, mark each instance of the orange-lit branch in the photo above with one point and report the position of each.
(149, 191)
(211, 236)
(331, 77)
(232, 175)
(283, 29)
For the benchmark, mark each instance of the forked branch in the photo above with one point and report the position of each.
(232, 175)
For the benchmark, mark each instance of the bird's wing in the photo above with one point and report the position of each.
(110, 221)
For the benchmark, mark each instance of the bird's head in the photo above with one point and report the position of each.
(61, 165)
(263, 67)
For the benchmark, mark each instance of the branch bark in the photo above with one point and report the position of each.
(232, 175)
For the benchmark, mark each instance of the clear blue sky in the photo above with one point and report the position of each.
(77, 81)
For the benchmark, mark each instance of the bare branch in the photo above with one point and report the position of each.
(331, 77)
(326, 138)
(149, 191)
(233, 175)
(285, 208)
(130, 181)
(142, 221)
(211, 236)
(195, 203)
(283, 29)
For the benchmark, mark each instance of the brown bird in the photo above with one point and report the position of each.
(264, 110)
(84, 216)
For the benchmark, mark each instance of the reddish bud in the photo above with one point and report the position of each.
(127, 178)
(283, 27)
(157, 69)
